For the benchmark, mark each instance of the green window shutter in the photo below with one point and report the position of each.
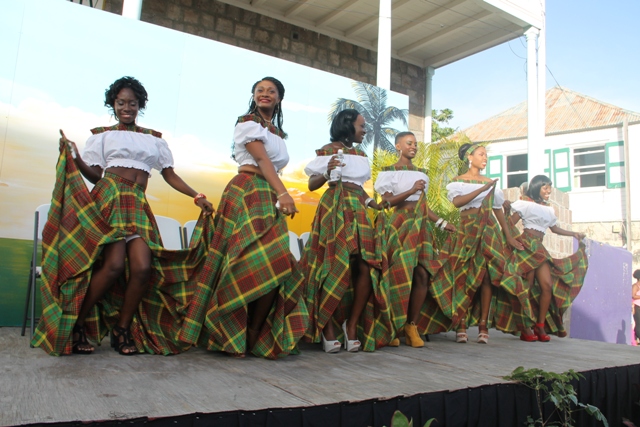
(494, 169)
(614, 161)
(547, 168)
(562, 169)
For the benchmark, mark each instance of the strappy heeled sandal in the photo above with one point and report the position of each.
(541, 333)
(483, 337)
(351, 346)
(528, 337)
(122, 341)
(81, 341)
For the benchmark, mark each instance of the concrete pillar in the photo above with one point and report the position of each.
(428, 105)
(132, 9)
(542, 88)
(384, 45)
(534, 144)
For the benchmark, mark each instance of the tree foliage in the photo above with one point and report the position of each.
(439, 120)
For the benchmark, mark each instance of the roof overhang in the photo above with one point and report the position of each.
(426, 33)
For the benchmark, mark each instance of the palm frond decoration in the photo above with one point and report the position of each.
(441, 161)
(372, 105)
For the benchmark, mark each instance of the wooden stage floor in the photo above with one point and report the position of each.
(35, 387)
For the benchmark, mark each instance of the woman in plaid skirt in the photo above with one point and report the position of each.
(558, 280)
(342, 261)
(248, 296)
(409, 249)
(120, 228)
(480, 272)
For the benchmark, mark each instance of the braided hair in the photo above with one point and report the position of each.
(112, 92)
(278, 116)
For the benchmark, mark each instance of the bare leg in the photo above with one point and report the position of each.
(361, 291)
(485, 301)
(139, 273)
(419, 290)
(113, 257)
(328, 331)
(102, 279)
(543, 274)
(261, 310)
(530, 277)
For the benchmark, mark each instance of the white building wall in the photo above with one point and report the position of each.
(591, 204)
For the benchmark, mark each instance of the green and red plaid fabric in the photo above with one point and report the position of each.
(341, 229)
(130, 128)
(567, 277)
(249, 257)
(481, 249)
(409, 243)
(79, 226)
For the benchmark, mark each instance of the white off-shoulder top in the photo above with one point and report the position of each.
(127, 146)
(398, 179)
(356, 169)
(534, 215)
(253, 128)
(460, 188)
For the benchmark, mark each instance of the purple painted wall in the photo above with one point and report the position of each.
(602, 310)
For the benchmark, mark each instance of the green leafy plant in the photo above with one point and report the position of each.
(557, 389)
(441, 161)
(400, 420)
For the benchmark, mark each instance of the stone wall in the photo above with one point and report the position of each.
(558, 246)
(249, 30)
(613, 233)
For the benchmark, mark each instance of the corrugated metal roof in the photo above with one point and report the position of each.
(566, 110)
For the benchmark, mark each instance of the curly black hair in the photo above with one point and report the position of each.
(342, 126)
(122, 83)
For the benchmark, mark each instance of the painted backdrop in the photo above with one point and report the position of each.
(57, 59)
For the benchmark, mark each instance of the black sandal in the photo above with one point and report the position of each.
(122, 340)
(82, 340)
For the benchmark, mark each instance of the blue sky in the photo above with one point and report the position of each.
(592, 48)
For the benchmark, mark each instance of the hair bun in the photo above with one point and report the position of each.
(463, 150)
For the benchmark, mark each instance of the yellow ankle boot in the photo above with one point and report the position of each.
(412, 337)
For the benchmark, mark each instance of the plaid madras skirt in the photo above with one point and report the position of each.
(248, 258)
(409, 244)
(79, 226)
(341, 229)
(567, 278)
(480, 249)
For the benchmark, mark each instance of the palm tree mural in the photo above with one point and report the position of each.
(372, 105)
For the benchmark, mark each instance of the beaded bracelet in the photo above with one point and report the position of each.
(198, 197)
